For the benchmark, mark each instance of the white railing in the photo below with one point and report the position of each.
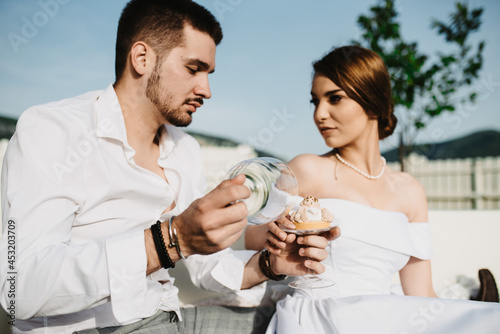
(458, 184)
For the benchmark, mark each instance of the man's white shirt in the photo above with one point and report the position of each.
(80, 206)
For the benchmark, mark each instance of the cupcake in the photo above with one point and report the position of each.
(310, 215)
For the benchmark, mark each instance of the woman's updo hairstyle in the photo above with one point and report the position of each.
(363, 76)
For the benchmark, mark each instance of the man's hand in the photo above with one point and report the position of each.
(212, 223)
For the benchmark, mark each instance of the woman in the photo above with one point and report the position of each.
(382, 215)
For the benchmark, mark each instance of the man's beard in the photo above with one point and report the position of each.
(173, 116)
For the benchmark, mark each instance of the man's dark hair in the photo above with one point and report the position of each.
(160, 23)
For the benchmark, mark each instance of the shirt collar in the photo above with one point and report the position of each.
(109, 122)
(168, 140)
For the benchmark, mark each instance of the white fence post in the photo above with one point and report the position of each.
(477, 184)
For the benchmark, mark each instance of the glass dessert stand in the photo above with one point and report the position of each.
(311, 280)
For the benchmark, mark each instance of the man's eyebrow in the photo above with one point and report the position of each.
(201, 64)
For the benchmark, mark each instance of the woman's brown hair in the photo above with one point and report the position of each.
(363, 76)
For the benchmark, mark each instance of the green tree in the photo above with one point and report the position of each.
(424, 87)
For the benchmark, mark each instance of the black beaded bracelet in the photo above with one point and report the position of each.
(165, 260)
(265, 266)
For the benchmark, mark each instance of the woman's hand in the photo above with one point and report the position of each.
(290, 254)
(298, 257)
(332, 234)
(277, 238)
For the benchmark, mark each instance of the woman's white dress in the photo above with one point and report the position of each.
(375, 244)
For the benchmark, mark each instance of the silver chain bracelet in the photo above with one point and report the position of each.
(174, 240)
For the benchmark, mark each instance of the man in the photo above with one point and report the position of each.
(104, 193)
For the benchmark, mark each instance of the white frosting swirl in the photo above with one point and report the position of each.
(314, 214)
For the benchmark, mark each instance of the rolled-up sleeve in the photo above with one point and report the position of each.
(223, 272)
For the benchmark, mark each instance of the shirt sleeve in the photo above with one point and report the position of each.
(54, 274)
(223, 272)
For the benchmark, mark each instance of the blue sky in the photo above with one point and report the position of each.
(53, 49)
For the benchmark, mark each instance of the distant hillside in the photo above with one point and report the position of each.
(7, 127)
(479, 144)
(206, 140)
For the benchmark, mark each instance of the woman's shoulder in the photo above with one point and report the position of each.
(405, 181)
(411, 192)
(308, 163)
(305, 159)
(310, 171)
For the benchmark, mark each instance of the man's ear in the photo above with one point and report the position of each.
(142, 57)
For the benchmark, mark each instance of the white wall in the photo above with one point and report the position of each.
(464, 242)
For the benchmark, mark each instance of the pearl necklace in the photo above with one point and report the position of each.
(368, 176)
